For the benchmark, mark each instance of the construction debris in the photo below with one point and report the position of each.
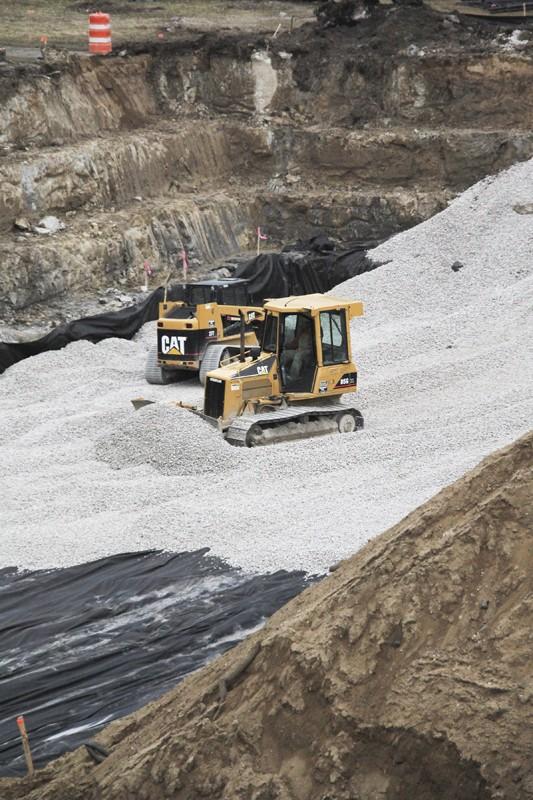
(49, 225)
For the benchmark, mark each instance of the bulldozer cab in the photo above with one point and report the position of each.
(187, 297)
(306, 340)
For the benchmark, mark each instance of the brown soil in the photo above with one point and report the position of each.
(65, 23)
(405, 674)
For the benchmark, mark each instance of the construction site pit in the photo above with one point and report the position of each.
(137, 547)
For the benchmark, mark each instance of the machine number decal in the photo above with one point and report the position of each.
(323, 386)
(174, 345)
(211, 333)
(211, 323)
(235, 387)
(350, 379)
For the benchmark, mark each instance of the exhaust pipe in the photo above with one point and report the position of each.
(242, 332)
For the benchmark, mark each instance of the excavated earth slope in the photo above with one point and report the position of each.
(407, 673)
(361, 132)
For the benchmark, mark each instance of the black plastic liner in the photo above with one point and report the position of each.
(315, 265)
(279, 275)
(122, 324)
(87, 644)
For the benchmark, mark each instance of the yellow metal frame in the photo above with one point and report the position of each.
(207, 316)
(249, 393)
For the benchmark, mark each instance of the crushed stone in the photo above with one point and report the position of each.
(445, 378)
(174, 441)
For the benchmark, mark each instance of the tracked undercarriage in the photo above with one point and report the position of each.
(293, 422)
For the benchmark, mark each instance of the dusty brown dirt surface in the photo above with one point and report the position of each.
(406, 673)
(65, 23)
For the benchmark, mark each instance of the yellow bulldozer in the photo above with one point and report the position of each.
(291, 388)
(198, 332)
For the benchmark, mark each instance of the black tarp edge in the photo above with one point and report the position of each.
(314, 265)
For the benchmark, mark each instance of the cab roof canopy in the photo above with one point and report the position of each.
(314, 304)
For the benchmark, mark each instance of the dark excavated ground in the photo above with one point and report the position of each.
(385, 32)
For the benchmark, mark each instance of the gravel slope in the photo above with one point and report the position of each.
(445, 376)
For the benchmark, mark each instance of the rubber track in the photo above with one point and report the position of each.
(238, 430)
(152, 371)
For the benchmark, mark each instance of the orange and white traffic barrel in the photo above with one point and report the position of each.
(99, 33)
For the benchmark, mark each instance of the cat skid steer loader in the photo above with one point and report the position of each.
(197, 333)
(292, 388)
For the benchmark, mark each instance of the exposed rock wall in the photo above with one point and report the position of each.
(316, 131)
(95, 251)
(42, 107)
(112, 170)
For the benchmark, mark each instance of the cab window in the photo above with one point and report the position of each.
(234, 295)
(200, 295)
(290, 322)
(333, 337)
(270, 335)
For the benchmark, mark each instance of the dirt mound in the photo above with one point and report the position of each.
(406, 673)
(390, 30)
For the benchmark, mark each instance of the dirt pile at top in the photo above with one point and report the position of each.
(395, 30)
(405, 674)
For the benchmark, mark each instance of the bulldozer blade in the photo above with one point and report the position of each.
(140, 402)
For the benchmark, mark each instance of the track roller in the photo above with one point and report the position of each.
(295, 422)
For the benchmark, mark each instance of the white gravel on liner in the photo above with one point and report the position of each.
(445, 377)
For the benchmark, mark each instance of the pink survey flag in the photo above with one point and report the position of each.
(261, 236)
(184, 263)
(148, 269)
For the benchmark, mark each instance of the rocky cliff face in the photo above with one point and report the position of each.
(359, 132)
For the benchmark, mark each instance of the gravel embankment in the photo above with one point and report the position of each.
(445, 377)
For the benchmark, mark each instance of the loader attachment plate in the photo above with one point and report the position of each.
(140, 402)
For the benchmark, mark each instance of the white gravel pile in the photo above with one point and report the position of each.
(445, 378)
(172, 440)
